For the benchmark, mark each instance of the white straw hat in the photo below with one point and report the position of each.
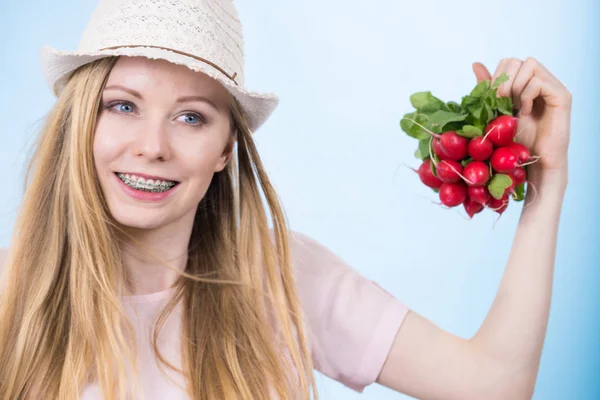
(204, 35)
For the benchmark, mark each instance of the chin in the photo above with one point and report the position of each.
(139, 220)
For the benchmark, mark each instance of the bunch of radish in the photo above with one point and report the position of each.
(468, 151)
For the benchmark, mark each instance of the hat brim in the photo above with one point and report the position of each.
(58, 65)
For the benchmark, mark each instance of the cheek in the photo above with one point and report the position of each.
(108, 142)
(200, 161)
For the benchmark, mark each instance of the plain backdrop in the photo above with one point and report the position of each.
(344, 71)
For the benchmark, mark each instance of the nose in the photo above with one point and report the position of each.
(152, 141)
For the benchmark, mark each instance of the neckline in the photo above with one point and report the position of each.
(149, 297)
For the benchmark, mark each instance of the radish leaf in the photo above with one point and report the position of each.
(433, 168)
(470, 131)
(426, 102)
(424, 148)
(454, 107)
(481, 88)
(441, 118)
(500, 80)
(519, 192)
(505, 105)
(498, 185)
(413, 129)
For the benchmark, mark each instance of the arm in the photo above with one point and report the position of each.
(501, 360)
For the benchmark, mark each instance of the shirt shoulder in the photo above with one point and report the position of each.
(3, 257)
(351, 321)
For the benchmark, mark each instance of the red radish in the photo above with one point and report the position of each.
(472, 207)
(449, 171)
(522, 152)
(480, 149)
(519, 176)
(476, 173)
(437, 149)
(479, 194)
(501, 131)
(504, 160)
(427, 176)
(454, 145)
(453, 194)
(498, 205)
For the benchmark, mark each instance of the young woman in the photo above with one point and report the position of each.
(143, 265)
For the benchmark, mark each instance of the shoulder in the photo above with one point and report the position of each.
(310, 255)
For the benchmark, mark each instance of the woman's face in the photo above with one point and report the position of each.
(162, 132)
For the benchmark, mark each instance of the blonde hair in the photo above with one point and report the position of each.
(63, 322)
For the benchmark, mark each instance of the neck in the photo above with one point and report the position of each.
(169, 243)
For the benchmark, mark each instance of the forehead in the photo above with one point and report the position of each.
(143, 74)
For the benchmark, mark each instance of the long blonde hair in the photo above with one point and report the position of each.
(63, 321)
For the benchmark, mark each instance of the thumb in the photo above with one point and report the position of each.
(481, 72)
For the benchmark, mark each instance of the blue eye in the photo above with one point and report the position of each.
(124, 107)
(194, 119)
(121, 107)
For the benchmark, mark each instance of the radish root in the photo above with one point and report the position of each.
(458, 173)
(486, 135)
(532, 160)
(535, 192)
(409, 167)
(518, 133)
(431, 152)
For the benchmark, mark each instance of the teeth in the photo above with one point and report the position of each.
(146, 185)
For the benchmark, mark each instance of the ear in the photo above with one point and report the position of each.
(226, 156)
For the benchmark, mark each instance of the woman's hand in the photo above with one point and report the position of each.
(545, 112)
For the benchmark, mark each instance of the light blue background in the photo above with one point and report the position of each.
(344, 71)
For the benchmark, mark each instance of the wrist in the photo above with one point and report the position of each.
(548, 182)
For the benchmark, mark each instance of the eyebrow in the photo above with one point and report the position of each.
(182, 99)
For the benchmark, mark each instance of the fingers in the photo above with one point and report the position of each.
(499, 69)
(481, 72)
(511, 67)
(521, 81)
(534, 80)
(528, 80)
(530, 93)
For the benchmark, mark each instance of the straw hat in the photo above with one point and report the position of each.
(204, 35)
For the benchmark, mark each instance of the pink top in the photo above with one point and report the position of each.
(351, 323)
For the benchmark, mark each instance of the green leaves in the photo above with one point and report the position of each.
(500, 80)
(470, 131)
(441, 118)
(454, 107)
(505, 105)
(423, 150)
(481, 89)
(413, 123)
(433, 168)
(427, 103)
(498, 185)
(483, 103)
(431, 116)
(519, 193)
(468, 118)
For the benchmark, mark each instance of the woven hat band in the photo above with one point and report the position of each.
(215, 66)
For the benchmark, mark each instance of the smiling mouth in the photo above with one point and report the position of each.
(146, 185)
